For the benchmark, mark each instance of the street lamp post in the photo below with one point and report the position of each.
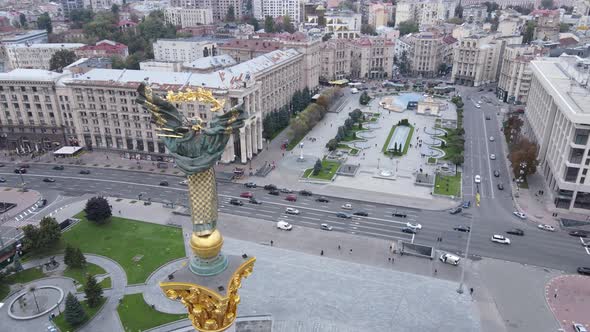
(301, 151)
(460, 289)
(378, 161)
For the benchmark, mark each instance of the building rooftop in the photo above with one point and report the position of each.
(252, 44)
(13, 36)
(104, 45)
(48, 45)
(211, 62)
(31, 74)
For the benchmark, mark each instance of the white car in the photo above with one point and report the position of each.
(183, 183)
(450, 259)
(500, 239)
(579, 328)
(326, 227)
(492, 138)
(477, 106)
(546, 227)
(477, 179)
(290, 210)
(347, 206)
(414, 225)
(519, 214)
(493, 156)
(284, 225)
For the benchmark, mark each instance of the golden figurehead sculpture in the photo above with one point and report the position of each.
(208, 285)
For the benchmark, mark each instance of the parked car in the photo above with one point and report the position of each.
(85, 171)
(343, 215)
(492, 138)
(477, 179)
(579, 233)
(2, 180)
(515, 231)
(235, 201)
(50, 180)
(291, 198)
(286, 190)
(399, 214)
(546, 227)
(347, 206)
(254, 201)
(465, 229)
(414, 225)
(409, 230)
(284, 225)
(450, 259)
(250, 185)
(361, 213)
(270, 187)
(497, 173)
(305, 193)
(291, 210)
(466, 204)
(492, 156)
(164, 183)
(325, 227)
(322, 199)
(247, 194)
(455, 210)
(20, 170)
(519, 215)
(274, 192)
(488, 117)
(500, 239)
(500, 186)
(58, 168)
(584, 270)
(579, 328)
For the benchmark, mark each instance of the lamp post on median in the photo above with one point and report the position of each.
(460, 289)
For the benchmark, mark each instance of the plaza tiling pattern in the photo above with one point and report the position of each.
(567, 297)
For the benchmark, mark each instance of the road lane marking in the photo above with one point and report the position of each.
(485, 130)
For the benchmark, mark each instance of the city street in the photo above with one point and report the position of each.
(555, 250)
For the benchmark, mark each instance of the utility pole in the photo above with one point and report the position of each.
(460, 289)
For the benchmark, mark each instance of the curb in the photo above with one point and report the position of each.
(159, 268)
(156, 328)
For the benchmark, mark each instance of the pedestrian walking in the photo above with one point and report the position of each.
(392, 259)
(351, 251)
(119, 211)
(338, 247)
(389, 259)
(555, 295)
(271, 243)
(471, 290)
(390, 247)
(322, 253)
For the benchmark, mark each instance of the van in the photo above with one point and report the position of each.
(284, 225)
(354, 90)
(450, 259)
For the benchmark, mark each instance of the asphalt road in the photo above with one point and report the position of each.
(541, 248)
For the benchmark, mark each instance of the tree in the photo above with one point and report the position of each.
(332, 144)
(115, 9)
(254, 22)
(564, 27)
(404, 65)
(98, 210)
(79, 17)
(69, 255)
(459, 11)
(61, 59)
(44, 22)
(74, 313)
(269, 24)
(348, 124)
(103, 26)
(49, 232)
(93, 291)
(317, 167)
(23, 20)
(547, 4)
(356, 115)
(288, 25)
(78, 259)
(457, 159)
(368, 29)
(407, 27)
(364, 99)
(230, 16)
(524, 153)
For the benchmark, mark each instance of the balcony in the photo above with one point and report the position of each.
(576, 156)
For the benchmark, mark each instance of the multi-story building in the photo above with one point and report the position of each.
(101, 5)
(184, 50)
(99, 109)
(246, 49)
(69, 5)
(582, 7)
(547, 24)
(335, 59)
(341, 24)
(510, 26)
(372, 57)
(379, 14)
(23, 37)
(424, 12)
(277, 8)
(427, 51)
(515, 75)
(220, 8)
(188, 17)
(475, 13)
(104, 48)
(557, 119)
(30, 119)
(36, 56)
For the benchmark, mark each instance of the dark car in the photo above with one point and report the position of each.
(579, 233)
(455, 210)
(343, 215)
(500, 186)
(482, 89)
(361, 213)
(1, 165)
(250, 185)
(515, 231)
(322, 199)
(51, 180)
(20, 170)
(42, 202)
(84, 171)
(465, 229)
(254, 201)
(274, 192)
(584, 270)
(305, 193)
(466, 204)
(235, 201)
(291, 198)
(270, 187)
(496, 173)
(399, 214)
(164, 183)
(409, 230)
(58, 168)
(488, 117)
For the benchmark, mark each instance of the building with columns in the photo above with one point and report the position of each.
(335, 59)
(372, 57)
(515, 74)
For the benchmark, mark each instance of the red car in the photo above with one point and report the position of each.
(291, 198)
(247, 194)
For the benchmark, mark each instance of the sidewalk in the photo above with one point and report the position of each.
(567, 296)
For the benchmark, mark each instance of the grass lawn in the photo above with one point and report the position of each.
(80, 274)
(293, 143)
(131, 243)
(408, 140)
(384, 149)
(329, 168)
(136, 315)
(21, 277)
(448, 185)
(60, 320)
(431, 160)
